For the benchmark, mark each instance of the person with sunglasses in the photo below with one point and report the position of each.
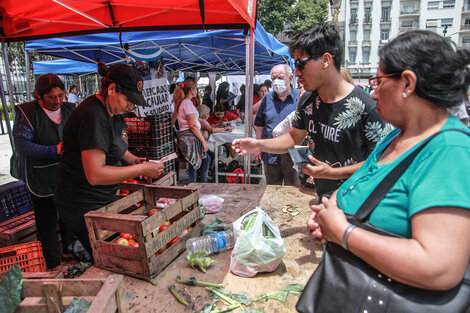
(338, 118)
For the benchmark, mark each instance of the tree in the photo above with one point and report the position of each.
(297, 15)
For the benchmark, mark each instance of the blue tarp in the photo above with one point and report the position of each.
(63, 66)
(192, 51)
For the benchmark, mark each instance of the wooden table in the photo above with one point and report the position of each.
(302, 256)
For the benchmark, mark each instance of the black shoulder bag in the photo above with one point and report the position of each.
(344, 283)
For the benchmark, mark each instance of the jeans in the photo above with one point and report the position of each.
(203, 171)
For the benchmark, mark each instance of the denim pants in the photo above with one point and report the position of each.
(203, 171)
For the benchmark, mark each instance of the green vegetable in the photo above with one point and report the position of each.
(10, 289)
(254, 310)
(78, 306)
(214, 226)
(207, 308)
(280, 295)
(192, 281)
(248, 221)
(240, 297)
(177, 295)
(200, 260)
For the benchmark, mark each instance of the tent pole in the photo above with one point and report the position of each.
(11, 93)
(28, 75)
(5, 112)
(250, 53)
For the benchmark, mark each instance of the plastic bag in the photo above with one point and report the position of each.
(211, 203)
(259, 246)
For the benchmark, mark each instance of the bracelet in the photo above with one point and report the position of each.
(346, 234)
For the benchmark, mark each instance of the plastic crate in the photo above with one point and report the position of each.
(150, 131)
(28, 256)
(14, 200)
(157, 154)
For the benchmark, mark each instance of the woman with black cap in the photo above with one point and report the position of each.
(95, 149)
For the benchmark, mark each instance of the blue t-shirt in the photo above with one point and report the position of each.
(438, 177)
(73, 98)
(270, 113)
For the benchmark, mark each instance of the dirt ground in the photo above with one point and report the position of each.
(302, 256)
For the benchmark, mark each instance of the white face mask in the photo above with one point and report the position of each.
(279, 86)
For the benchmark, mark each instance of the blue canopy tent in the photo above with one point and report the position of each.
(63, 66)
(190, 51)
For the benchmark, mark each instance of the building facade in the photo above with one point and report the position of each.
(367, 25)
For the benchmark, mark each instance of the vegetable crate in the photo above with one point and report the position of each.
(150, 131)
(54, 295)
(18, 230)
(28, 256)
(165, 179)
(14, 200)
(130, 215)
(156, 154)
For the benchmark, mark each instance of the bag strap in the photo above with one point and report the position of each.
(363, 214)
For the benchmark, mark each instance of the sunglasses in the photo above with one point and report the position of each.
(374, 82)
(300, 63)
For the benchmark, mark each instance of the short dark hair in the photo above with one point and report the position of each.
(46, 82)
(320, 39)
(72, 87)
(268, 83)
(220, 107)
(442, 73)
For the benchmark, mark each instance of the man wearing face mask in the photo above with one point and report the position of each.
(274, 108)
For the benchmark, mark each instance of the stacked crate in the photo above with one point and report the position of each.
(151, 137)
(14, 200)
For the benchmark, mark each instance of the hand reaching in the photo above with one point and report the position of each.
(245, 146)
(317, 169)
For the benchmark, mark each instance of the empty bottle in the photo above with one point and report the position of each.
(212, 243)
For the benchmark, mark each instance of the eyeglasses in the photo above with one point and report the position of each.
(374, 82)
(300, 63)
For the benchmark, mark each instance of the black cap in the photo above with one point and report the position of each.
(130, 81)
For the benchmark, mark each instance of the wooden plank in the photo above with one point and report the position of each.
(168, 179)
(68, 287)
(119, 265)
(119, 223)
(118, 206)
(43, 275)
(123, 251)
(53, 298)
(38, 304)
(105, 300)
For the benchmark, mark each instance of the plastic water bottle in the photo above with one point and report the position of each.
(212, 243)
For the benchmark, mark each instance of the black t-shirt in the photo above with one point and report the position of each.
(341, 133)
(89, 127)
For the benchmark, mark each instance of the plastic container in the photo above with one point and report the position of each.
(14, 200)
(28, 256)
(212, 243)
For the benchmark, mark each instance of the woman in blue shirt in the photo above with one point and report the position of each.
(419, 76)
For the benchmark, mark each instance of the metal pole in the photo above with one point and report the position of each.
(5, 111)
(9, 83)
(250, 55)
(28, 76)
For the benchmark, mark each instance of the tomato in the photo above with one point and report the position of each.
(134, 237)
(162, 228)
(153, 212)
(132, 243)
(125, 236)
(124, 192)
(122, 241)
(157, 254)
(173, 241)
(167, 223)
(162, 249)
(133, 181)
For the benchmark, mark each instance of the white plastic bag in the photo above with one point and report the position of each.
(259, 246)
(211, 203)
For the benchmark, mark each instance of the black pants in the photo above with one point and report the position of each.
(74, 220)
(45, 214)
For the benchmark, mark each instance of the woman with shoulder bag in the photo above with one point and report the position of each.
(397, 232)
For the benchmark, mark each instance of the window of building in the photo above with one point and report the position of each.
(367, 15)
(353, 15)
(407, 24)
(447, 22)
(408, 8)
(352, 55)
(353, 35)
(386, 14)
(466, 39)
(365, 56)
(432, 23)
(366, 35)
(449, 4)
(384, 34)
(433, 5)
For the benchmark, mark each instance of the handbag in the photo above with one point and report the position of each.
(344, 283)
(15, 165)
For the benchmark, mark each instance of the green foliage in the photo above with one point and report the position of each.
(200, 260)
(298, 14)
(281, 295)
(78, 306)
(10, 289)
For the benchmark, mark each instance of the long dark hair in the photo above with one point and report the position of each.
(46, 82)
(105, 81)
(442, 71)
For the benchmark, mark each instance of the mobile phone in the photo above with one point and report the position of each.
(299, 155)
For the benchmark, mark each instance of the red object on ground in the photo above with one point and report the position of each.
(28, 256)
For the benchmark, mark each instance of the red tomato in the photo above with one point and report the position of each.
(125, 236)
(122, 241)
(153, 212)
(162, 228)
(132, 243)
(134, 237)
(124, 192)
(157, 254)
(133, 181)
(173, 241)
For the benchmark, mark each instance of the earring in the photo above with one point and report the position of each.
(404, 95)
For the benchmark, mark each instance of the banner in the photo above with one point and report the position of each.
(155, 89)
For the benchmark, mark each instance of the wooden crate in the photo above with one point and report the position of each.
(129, 215)
(165, 179)
(18, 230)
(49, 295)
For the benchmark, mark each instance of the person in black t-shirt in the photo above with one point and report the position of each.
(339, 118)
(95, 149)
